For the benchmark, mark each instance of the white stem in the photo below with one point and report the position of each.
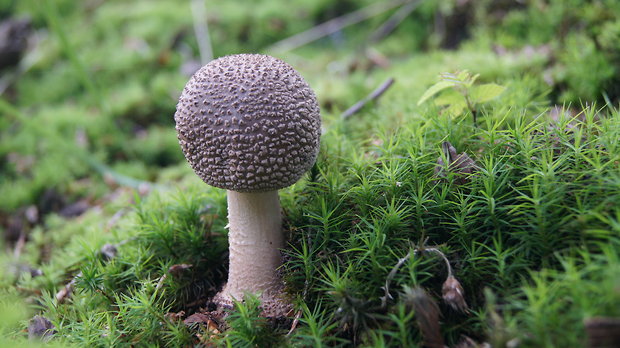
(255, 239)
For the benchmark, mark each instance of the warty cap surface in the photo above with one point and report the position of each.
(248, 123)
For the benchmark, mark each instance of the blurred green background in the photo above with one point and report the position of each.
(104, 76)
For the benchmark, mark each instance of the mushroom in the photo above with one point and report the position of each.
(250, 124)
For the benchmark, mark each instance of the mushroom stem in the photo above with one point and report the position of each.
(255, 239)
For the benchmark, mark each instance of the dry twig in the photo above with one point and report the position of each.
(333, 25)
(378, 92)
(295, 322)
(67, 290)
(391, 275)
(386, 28)
(160, 282)
(19, 245)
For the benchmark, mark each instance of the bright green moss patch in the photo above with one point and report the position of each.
(536, 219)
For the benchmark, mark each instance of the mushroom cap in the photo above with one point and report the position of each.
(248, 123)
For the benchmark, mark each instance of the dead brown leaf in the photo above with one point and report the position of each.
(40, 327)
(602, 332)
(453, 294)
(177, 270)
(196, 318)
(174, 317)
(467, 342)
(207, 322)
(427, 316)
(457, 163)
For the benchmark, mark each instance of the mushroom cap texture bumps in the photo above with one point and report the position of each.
(248, 123)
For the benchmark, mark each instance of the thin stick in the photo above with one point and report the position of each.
(386, 28)
(19, 246)
(295, 323)
(391, 275)
(333, 25)
(120, 179)
(201, 29)
(443, 256)
(67, 290)
(372, 96)
(160, 282)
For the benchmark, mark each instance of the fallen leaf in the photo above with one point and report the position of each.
(196, 318)
(40, 327)
(14, 34)
(211, 327)
(426, 314)
(602, 332)
(108, 251)
(173, 317)
(74, 209)
(457, 163)
(176, 270)
(21, 268)
(467, 342)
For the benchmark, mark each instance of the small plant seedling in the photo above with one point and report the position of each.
(458, 92)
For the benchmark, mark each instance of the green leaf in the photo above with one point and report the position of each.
(486, 92)
(466, 78)
(471, 79)
(434, 89)
(451, 77)
(455, 110)
(453, 101)
(451, 97)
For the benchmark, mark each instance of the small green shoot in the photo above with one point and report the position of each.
(458, 92)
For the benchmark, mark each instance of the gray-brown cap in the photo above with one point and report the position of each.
(248, 122)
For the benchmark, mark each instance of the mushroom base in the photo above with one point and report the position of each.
(255, 239)
(273, 305)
